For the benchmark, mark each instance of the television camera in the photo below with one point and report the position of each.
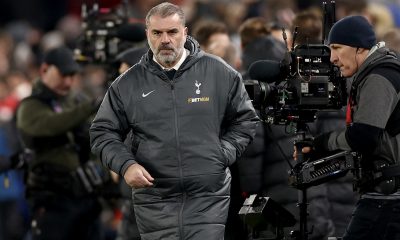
(292, 92)
(106, 33)
(294, 89)
(304, 82)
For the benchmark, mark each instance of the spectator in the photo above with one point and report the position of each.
(392, 40)
(309, 28)
(346, 8)
(258, 44)
(129, 57)
(213, 38)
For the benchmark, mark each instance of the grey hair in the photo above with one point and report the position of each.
(166, 9)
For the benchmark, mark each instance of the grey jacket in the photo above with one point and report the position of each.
(187, 131)
(376, 99)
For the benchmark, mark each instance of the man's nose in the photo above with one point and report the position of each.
(165, 38)
(333, 58)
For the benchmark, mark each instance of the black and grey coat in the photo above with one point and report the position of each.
(377, 96)
(187, 131)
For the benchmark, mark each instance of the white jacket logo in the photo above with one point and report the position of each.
(198, 99)
(147, 94)
(197, 84)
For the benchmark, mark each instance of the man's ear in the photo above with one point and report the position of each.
(44, 67)
(360, 50)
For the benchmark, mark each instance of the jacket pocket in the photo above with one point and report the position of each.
(224, 156)
(227, 152)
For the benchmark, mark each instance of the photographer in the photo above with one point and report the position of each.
(372, 127)
(51, 123)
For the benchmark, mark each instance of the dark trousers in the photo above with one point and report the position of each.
(375, 220)
(64, 218)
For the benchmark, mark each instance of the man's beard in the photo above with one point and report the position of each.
(167, 59)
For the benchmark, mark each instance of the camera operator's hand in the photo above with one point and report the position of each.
(304, 150)
(305, 146)
(312, 148)
(136, 176)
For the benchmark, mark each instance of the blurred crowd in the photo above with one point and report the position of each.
(239, 31)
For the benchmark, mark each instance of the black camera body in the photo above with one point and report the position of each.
(315, 79)
(306, 83)
(106, 33)
(99, 43)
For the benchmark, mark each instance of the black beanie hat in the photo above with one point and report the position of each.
(353, 31)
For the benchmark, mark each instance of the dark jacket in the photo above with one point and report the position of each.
(51, 125)
(183, 138)
(367, 132)
(376, 97)
(56, 129)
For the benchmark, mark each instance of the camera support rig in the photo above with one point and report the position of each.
(331, 167)
(306, 174)
(290, 93)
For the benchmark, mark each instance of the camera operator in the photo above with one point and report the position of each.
(372, 127)
(51, 124)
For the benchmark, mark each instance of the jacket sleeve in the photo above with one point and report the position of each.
(108, 131)
(239, 123)
(44, 122)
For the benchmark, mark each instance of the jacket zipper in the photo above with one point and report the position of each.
(179, 160)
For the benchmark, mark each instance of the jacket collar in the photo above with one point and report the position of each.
(377, 53)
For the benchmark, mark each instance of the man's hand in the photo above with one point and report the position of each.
(137, 177)
(304, 150)
(312, 148)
